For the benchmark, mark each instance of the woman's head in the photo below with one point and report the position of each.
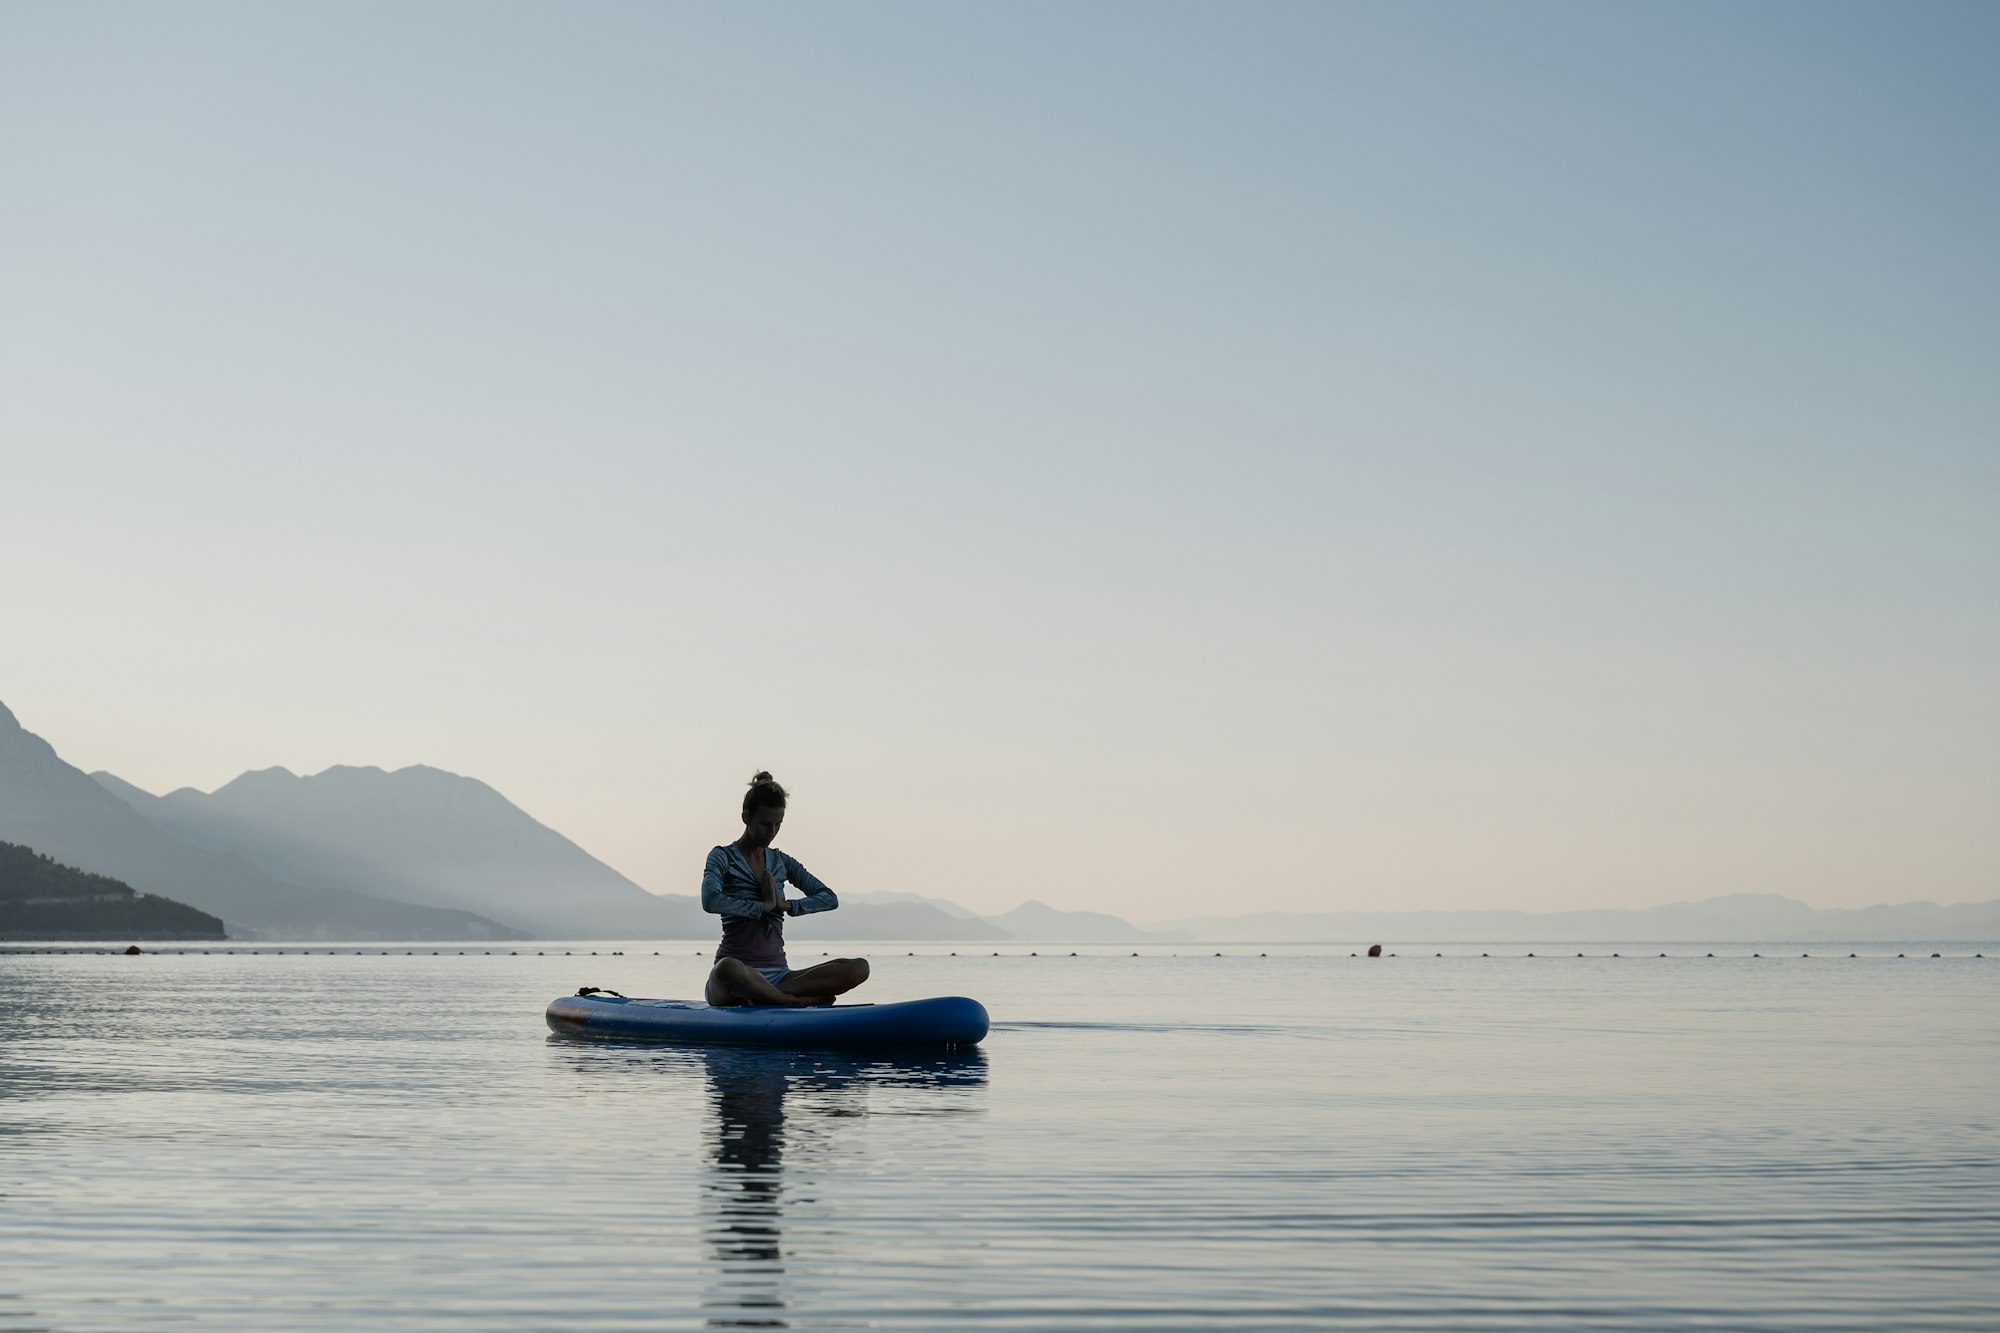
(763, 809)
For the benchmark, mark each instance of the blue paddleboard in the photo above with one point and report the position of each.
(944, 1023)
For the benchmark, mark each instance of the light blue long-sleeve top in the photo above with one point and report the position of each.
(729, 889)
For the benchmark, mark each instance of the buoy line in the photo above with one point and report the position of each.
(79, 949)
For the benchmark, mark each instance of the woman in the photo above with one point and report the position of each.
(744, 884)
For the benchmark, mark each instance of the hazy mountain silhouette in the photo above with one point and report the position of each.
(1032, 920)
(277, 855)
(1737, 916)
(1036, 920)
(421, 835)
(58, 810)
(890, 896)
(877, 920)
(42, 899)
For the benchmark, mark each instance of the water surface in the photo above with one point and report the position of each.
(237, 1140)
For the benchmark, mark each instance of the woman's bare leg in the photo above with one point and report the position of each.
(733, 981)
(820, 983)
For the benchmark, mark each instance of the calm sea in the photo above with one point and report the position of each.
(303, 1141)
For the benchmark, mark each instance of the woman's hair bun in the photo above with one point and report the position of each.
(764, 793)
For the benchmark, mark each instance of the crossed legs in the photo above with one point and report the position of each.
(734, 981)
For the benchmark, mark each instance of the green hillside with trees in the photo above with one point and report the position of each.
(42, 899)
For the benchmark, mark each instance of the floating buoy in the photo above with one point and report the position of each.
(131, 949)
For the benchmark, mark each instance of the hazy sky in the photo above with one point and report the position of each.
(1154, 458)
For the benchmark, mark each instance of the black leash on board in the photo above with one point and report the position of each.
(599, 990)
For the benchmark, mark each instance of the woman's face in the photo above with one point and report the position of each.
(762, 824)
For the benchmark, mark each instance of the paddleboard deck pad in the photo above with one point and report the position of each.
(945, 1023)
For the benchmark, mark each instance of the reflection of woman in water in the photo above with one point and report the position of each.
(745, 1188)
(744, 884)
(751, 1133)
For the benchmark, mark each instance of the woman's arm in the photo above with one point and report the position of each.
(716, 897)
(819, 898)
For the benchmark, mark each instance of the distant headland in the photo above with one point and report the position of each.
(42, 899)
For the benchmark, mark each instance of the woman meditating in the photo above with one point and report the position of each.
(744, 884)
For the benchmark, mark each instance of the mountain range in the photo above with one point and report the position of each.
(361, 853)
(59, 811)
(417, 835)
(420, 853)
